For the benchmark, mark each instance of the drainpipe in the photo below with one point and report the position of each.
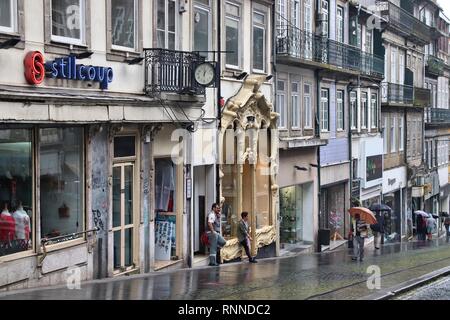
(219, 94)
(318, 130)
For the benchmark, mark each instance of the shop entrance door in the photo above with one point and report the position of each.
(123, 216)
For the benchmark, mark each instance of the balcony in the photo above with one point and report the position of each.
(437, 117)
(397, 94)
(422, 97)
(172, 72)
(295, 45)
(435, 66)
(405, 23)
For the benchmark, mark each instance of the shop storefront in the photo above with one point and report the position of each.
(333, 209)
(248, 169)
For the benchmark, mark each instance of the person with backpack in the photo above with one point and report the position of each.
(244, 236)
(360, 228)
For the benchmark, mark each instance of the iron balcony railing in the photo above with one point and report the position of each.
(397, 93)
(437, 116)
(171, 71)
(435, 65)
(400, 19)
(303, 45)
(422, 97)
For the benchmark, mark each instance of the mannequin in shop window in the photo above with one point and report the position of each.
(7, 226)
(23, 226)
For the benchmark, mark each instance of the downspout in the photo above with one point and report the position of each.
(318, 129)
(219, 96)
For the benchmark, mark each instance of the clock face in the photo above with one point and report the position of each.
(204, 74)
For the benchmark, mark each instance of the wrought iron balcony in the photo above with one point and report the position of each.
(422, 97)
(435, 65)
(298, 44)
(398, 94)
(438, 117)
(171, 71)
(405, 23)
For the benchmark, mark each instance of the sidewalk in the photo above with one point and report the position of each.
(328, 275)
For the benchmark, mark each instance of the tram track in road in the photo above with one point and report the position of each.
(357, 283)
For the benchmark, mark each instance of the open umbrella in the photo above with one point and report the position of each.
(364, 213)
(421, 213)
(377, 207)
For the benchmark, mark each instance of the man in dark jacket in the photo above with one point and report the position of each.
(244, 235)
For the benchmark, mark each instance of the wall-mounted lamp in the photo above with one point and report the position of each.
(314, 165)
(134, 61)
(9, 43)
(240, 76)
(300, 168)
(84, 55)
(269, 77)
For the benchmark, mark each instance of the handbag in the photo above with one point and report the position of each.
(204, 239)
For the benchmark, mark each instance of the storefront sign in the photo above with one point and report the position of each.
(394, 179)
(417, 192)
(374, 167)
(36, 69)
(356, 188)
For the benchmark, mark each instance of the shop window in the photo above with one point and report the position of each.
(230, 216)
(124, 146)
(291, 214)
(16, 190)
(123, 23)
(165, 206)
(68, 21)
(262, 201)
(61, 181)
(7, 15)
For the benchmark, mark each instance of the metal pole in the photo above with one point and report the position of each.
(219, 92)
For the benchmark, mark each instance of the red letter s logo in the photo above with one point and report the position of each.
(34, 67)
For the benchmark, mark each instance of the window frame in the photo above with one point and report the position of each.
(385, 135)
(166, 24)
(354, 110)
(239, 23)
(322, 110)
(340, 24)
(364, 111)
(297, 110)
(283, 116)
(136, 32)
(393, 135)
(206, 9)
(401, 127)
(374, 110)
(308, 117)
(67, 40)
(263, 28)
(14, 19)
(340, 112)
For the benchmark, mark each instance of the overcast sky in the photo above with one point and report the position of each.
(445, 4)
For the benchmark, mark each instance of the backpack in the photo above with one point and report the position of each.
(375, 227)
(204, 239)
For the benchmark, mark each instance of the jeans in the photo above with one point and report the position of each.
(358, 247)
(447, 232)
(377, 239)
(215, 240)
(244, 243)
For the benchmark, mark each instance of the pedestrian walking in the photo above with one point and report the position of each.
(378, 229)
(360, 228)
(244, 236)
(431, 227)
(447, 226)
(215, 238)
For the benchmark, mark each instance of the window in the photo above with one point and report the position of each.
(68, 21)
(325, 17)
(307, 19)
(8, 15)
(202, 30)
(232, 26)
(324, 110)
(307, 105)
(393, 135)
(401, 131)
(368, 43)
(281, 17)
(374, 111)
(354, 109)
(16, 191)
(61, 181)
(281, 103)
(340, 110)
(401, 67)
(123, 23)
(166, 25)
(385, 134)
(364, 113)
(259, 41)
(296, 13)
(394, 67)
(340, 24)
(295, 105)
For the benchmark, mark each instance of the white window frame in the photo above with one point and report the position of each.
(340, 24)
(393, 136)
(263, 28)
(354, 110)
(13, 15)
(239, 22)
(373, 110)
(296, 21)
(364, 111)
(295, 108)
(282, 123)
(166, 24)
(308, 108)
(68, 40)
(394, 68)
(325, 27)
(325, 101)
(121, 48)
(340, 110)
(307, 16)
(281, 16)
(207, 9)
(401, 130)
(385, 135)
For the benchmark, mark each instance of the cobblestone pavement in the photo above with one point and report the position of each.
(330, 275)
(438, 290)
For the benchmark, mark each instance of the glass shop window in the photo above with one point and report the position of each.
(165, 206)
(16, 191)
(68, 21)
(61, 181)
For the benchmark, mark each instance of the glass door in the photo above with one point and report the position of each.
(123, 217)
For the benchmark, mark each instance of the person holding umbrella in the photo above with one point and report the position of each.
(360, 227)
